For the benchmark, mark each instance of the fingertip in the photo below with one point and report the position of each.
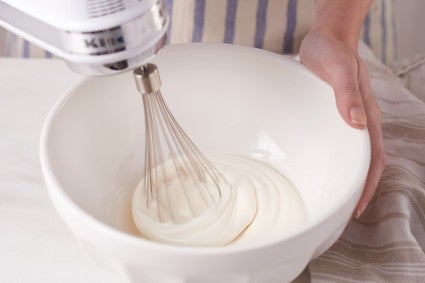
(360, 209)
(358, 117)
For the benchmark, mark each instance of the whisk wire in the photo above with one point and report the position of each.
(171, 156)
(195, 158)
(156, 103)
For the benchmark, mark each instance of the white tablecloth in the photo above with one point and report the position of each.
(35, 244)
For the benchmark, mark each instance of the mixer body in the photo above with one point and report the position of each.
(95, 37)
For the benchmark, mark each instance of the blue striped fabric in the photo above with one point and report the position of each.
(198, 27)
(230, 20)
(260, 28)
(366, 31)
(384, 33)
(256, 23)
(169, 7)
(291, 19)
(26, 49)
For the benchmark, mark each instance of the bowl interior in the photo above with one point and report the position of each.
(229, 99)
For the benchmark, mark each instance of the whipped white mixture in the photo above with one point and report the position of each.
(257, 204)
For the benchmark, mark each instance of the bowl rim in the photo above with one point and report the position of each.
(54, 187)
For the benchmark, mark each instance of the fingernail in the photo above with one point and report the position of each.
(360, 210)
(358, 116)
(356, 214)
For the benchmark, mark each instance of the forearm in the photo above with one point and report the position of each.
(343, 19)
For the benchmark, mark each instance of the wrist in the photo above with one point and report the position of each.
(340, 34)
(341, 19)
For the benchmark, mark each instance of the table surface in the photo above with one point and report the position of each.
(35, 244)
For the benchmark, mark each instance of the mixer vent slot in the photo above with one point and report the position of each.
(99, 8)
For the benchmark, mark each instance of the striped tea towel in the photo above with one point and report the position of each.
(387, 243)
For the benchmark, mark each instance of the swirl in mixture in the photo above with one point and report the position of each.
(257, 204)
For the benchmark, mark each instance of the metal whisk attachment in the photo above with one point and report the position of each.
(179, 181)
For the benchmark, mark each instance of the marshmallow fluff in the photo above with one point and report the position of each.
(256, 204)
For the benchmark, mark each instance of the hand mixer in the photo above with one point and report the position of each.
(103, 37)
(95, 37)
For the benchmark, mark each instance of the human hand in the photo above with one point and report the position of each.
(338, 63)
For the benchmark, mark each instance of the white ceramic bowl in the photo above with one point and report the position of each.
(229, 99)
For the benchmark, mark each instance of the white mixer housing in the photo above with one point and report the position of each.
(96, 37)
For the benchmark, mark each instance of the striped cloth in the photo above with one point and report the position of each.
(274, 25)
(412, 73)
(387, 243)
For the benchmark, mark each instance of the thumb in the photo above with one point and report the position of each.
(345, 83)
